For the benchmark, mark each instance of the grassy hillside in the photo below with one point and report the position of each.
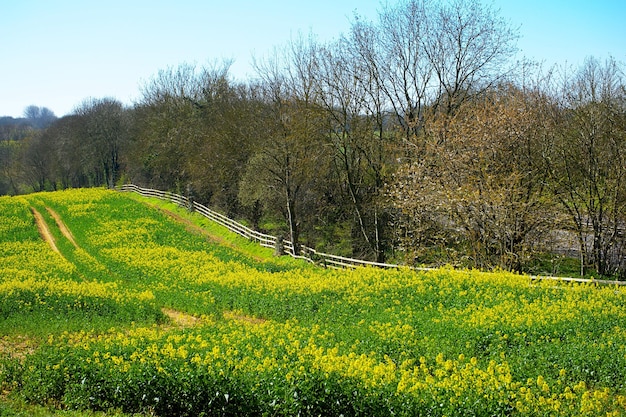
(144, 308)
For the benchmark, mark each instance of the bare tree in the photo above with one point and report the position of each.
(393, 53)
(468, 45)
(289, 160)
(39, 117)
(104, 128)
(9, 164)
(353, 106)
(166, 127)
(227, 126)
(423, 53)
(36, 162)
(196, 127)
(588, 162)
(483, 190)
(70, 153)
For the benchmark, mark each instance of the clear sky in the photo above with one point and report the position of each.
(56, 53)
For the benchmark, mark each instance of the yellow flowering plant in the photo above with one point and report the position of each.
(262, 339)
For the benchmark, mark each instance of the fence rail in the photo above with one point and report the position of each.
(269, 241)
(306, 253)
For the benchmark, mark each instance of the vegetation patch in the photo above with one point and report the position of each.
(181, 319)
(176, 325)
(234, 315)
(16, 346)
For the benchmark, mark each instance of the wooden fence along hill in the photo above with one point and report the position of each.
(306, 253)
(263, 239)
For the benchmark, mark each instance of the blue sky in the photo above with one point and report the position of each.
(56, 53)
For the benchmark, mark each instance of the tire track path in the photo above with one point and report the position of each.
(62, 227)
(44, 230)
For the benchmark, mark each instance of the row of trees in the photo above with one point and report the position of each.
(524, 169)
(412, 136)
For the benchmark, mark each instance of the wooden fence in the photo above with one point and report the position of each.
(306, 253)
(269, 241)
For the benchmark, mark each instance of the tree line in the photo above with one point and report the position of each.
(414, 136)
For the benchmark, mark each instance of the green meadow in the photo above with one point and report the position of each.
(113, 304)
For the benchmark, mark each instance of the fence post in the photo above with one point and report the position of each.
(279, 247)
(189, 198)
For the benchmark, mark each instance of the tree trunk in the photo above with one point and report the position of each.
(293, 226)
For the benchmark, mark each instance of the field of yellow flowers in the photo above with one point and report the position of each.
(273, 338)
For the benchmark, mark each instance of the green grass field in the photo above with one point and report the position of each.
(145, 308)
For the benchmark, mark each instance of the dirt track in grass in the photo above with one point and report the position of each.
(64, 230)
(44, 230)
